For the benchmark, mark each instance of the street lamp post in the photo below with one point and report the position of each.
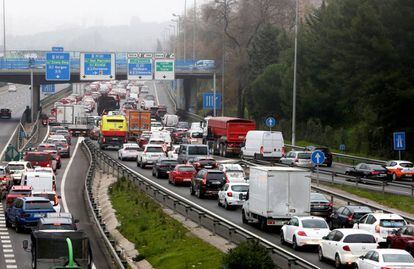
(194, 29)
(182, 27)
(223, 59)
(4, 28)
(184, 32)
(294, 76)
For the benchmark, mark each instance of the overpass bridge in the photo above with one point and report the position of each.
(28, 67)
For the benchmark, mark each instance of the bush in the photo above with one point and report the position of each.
(248, 255)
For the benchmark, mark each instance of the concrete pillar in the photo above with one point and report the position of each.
(190, 93)
(35, 101)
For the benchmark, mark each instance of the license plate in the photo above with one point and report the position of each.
(208, 166)
(382, 175)
(115, 138)
(215, 183)
(187, 179)
(409, 175)
(38, 215)
(78, 132)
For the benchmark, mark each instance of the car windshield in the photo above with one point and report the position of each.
(197, 150)
(44, 147)
(376, 167)
(196, 135)
(216, 176)
(154, 149)
(314, 224)
(15, 167)
(32, 205)
(360, 238)
(407, 165)
(235, 174)
(397, 258)
(240, 188)
(38, 157)
(392, 223)
(304, 156)
(157, 142)
(49, 196)
(20, 192)
(169, 162)
(56, 226)
(186, 169)
(132, 148)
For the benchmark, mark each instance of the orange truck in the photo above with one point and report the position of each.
(137, 122)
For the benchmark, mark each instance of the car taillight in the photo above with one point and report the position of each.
(350, 217)
(377, 229)
(125, 140)
(103, 140)
(375, 173)
(330, 204)
(197, 164)
(296, 160)
(302, 233)
(204, 181)
(229, 194)
(48, 165)
(55, 201)
(346, 248)
(24, 215)
(283, 151)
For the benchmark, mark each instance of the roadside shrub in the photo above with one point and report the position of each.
(248, 255)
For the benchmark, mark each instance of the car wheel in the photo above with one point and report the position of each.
(282, 238)
(295, 244)
(218, 201)
(356, 266)
(153, 172)
(199, 194)
(8, 224)
(192, 190)
(142, 165)
(157, 174)
(122, 158)
(18, 228)
(244, 219)
(320, 254)
(394, 176)
(329, 164)
(226, 205)
(338, 264)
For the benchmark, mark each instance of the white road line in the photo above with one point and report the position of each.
(6, 241)
(7, 246)
(8, 255)
(156, 94)
(11, 266)
(10, 261)
(62, 187)
(47, 134)
(8, 142)
(7, 250)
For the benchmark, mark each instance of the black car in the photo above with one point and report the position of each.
(367, 170)
(320, 205)
(57, 221)
(5, 113)
(207, 182)
(162, 166)
(203, 162)
(325, 150)
(346, 216)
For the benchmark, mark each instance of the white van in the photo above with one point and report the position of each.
(40, 181)
(263, 144)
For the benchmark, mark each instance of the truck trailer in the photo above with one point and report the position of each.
(275, 195)
(137, 121)
(225, 135)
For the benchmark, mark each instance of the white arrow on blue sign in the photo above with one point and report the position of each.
(57, 66)
(318, 157)
(399, 141)
(270, 122)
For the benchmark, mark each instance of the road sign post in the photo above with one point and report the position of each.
(317, 157)
(139, 68)
(270, 122)
(97, 66)
(399, 142)
(57, 66)
(164, 69)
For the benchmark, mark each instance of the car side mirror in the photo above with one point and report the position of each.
(76, 221)
(362, 257)
(25, 245)
(325, 238)
(59, 197)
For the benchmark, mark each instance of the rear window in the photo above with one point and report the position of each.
(240, 188)
(20, 192)
(38, 157)
(304, 155)
(186, 169)
(169, 162)
(56, 226)
(32, 205)
(407, 165)
(360, 238)
(398, 258)
(392, 223)
(216, 176)
(197, 135)
(318, 197)
(115, 121)
(376, 167)
(358, 215)
(2, 171)
(15, 167)
(197, 150)
(132, 148)
(49, 196)
(314, 223)
(154, 149)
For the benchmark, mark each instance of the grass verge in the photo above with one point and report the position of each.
(160, 239)
(400, 202)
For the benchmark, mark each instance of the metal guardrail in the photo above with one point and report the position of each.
(196, 213)
(95, 212)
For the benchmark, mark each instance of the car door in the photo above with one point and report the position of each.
(372, 262)
(365, 262)
(16, 209)
(327, 245)
(222, 193)
(294, 225)
(407, 236)
(368, 225)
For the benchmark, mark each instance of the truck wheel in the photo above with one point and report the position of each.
(263, 224)
(244, 219)
(142, 164)
(225, 153)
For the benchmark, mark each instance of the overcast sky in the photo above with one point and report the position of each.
(32, 16)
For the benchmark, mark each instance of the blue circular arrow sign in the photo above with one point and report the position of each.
(318, 157)
(270, 122)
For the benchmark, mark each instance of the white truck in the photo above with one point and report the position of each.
(275, 195)
(74, 117)
(170, 120)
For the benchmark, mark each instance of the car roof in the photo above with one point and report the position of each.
(131, 145)
(18, 162)
(38, 173)
(154, 145)
(238, 183)
(359, 208)
(37, 153)
(309, 217)
(22, 187)
(348, 231)
(213, 171)
(391, 251)
(59, 215)
(386, 216)
(54, 220)
(31, 198)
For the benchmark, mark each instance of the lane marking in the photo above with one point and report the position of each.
(47, 134)
(8, 142)
(62, 187)
(156, 94)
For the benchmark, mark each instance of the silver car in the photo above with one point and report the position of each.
(297, 158)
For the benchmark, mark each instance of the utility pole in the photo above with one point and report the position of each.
(194, 29)
(184, 23)
(4, 29)
(294, 76)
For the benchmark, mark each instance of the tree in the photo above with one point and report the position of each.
(248, 255)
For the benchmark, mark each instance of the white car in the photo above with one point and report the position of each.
(173, 153)
(128, 151)
(149, 155)
(345, 246)
(156, 126)
(144, 89)
(297, 158)
(52, 196)
(230, 195)
(303, 231)
(380, 225)
(385, 258)
(44, 170)
(12, 88)
(234, 172)
(17, 168)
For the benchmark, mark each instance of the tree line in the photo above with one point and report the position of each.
(355, 67)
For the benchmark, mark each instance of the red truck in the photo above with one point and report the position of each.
(225, 135)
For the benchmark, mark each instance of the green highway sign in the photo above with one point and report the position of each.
(164, 69)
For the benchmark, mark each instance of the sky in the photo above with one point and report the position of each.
(25, 17)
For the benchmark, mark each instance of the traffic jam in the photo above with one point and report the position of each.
(205, 157)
